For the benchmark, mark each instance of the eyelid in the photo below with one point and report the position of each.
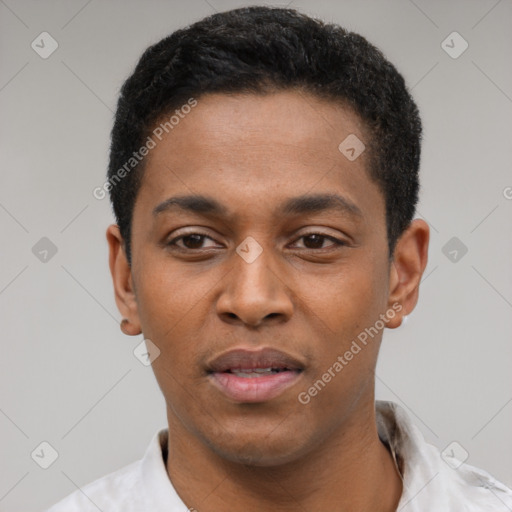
(188, 232)
(338, 236)
(337, 242)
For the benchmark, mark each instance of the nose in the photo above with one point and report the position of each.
(254, 294)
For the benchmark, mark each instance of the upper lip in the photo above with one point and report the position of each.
(237, 359)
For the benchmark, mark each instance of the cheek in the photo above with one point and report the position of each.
(169, 300)
(170, 313)
(347, 301)
(343, 306)
(346, 354)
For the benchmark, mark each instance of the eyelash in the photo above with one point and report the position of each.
(336, 241)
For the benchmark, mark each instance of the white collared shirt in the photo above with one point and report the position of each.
(431, 482)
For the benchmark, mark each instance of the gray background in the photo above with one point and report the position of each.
(68, 376)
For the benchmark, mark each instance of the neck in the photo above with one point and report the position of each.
(351, 470)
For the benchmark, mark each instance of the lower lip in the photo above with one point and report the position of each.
(254, 389)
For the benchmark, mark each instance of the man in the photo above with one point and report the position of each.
(264, 178)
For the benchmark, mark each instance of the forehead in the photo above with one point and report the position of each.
(290, 117)
(273, 145)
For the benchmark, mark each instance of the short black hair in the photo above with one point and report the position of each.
(263, 50)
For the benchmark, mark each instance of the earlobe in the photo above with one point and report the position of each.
(123, 282)
(409, 262)
(128, 328)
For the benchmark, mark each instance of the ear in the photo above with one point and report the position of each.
(407, 267)
(122, 280)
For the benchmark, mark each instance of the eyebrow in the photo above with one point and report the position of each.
(308, 203)
(315, 203)
(192, 203)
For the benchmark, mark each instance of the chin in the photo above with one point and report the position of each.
(259, 453)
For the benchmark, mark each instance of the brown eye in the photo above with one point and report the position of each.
(193, 241)
(314, 241)
(317, 241)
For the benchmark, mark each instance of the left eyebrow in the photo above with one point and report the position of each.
(315, 203)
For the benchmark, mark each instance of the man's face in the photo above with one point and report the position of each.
(267, 269)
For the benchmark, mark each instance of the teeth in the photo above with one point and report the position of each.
(255, 372)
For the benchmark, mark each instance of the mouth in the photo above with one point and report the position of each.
(247, 376)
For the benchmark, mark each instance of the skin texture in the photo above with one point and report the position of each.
(306, 296)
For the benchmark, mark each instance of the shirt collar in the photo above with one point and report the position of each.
(159, 491)
(429, 483)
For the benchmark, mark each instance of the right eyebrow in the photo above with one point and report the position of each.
(193, 203)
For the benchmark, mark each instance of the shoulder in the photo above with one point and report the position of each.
(434, 479)
(114, 492)
(139, 487)
(476, 488)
